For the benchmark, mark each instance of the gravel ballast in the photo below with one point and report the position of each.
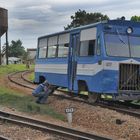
(99, 120)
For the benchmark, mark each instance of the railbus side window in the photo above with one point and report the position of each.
(52, 47)
(42, 46)
(63, 45)
(87, 42)
(98, 51)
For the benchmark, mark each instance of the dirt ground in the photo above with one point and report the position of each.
(88, 118)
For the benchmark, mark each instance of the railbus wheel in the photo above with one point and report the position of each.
(93, 97)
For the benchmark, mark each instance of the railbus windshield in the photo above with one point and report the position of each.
(122, 45)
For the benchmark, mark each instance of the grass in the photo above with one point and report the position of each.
(136, 102)
(21, 102)
(25, 103)
(5, 69)
(31, 77)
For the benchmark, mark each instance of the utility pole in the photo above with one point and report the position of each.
(0, 51)
(6, 53)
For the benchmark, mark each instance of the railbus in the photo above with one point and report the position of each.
(101, 58)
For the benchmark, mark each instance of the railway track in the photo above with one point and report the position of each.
(133, 110)
(48, 127)
(3, 138)
(17, 78)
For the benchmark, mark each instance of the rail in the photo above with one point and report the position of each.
(3, 138)
(18, 83)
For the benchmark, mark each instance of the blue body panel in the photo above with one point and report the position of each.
(54, 79)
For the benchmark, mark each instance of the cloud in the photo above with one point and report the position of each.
(43, 8)
(21, 24)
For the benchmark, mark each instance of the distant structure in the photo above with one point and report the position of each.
(11, 60)
(31, 55)
(14, 60)
(4, 30)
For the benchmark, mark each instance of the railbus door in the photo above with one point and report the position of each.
(72, 61)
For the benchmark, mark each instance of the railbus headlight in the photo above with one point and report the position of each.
(129, 30)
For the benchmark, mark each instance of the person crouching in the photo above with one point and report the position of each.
(42, 92)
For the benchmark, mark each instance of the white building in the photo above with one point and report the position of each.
(11, 60)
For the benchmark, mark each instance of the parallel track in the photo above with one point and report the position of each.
(48, 127)
(23, 82)
(29, 84)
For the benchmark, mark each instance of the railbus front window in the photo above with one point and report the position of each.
(135, 46)
(117, 45)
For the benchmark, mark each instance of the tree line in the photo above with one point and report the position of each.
(15, 49)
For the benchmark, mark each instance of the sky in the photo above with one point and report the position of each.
(29, 19)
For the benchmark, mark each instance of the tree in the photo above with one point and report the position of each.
(16, 49)
(135, 18)
(81, 17)
(25, 56)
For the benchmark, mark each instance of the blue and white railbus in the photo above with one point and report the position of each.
(101, 58)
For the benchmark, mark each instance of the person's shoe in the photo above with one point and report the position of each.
(39, 100)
